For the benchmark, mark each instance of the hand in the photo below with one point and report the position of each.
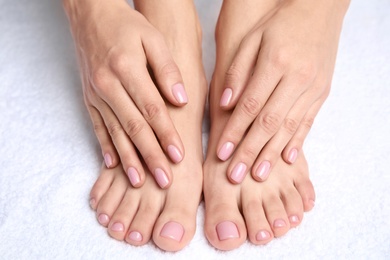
(277, 82)
(116, 46)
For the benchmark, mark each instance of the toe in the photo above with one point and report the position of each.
(276, 215)
(293, 206)
(101, 186)
(304, 185)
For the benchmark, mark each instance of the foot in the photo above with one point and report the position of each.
(168, 217)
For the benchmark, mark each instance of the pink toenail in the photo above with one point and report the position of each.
(172, 230)
(133, 175)
(107, 160)
(263, 235)
(103, 219)
(225, 151)
(238, 172)
(174, 154)
(312, 203)
(135, 236)
(292, 156)
(279, 223)
(161, 177)
(294, 219)
(226, 97)
(227, 230)
(263, 170)
(117, 227)
(92, 203)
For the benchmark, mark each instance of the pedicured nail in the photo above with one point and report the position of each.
(103, 219)
(135, 236)
(225, 151)
(172, 230)
(279, 223)
(92, 203)
(226, 97)
(161, 177)
(174, 153)
(294, 219)
(179, 93)
(238, 172)
(107, 160)
(263, 235)
(133, 175)
(292, 156)
(117, 227)
(227, 230)
(312, 203)
(263, 170)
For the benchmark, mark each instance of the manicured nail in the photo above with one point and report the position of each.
(174, 154)
(107, 160)
(92, 203)
(117, 227)
(161, 177)
(226, 97)
(227, 230)
(312, 203)
(294, 219)
(103, 219)
(279, 223)
(135, 236)
(133, 175)
(179, 93)
(263, 170)
(172, 230)
(263, 235)
(292, 156)
(225, 151)
(238, 172)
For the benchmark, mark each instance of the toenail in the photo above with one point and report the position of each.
(103, 219)
(292, 156)
(172, 230)
(117, 227)
(294, 219)
(227, 230)
(133, 175)
(161, 177)
(279, 223)
(238, 172)
(174, 154)
(92, 203)
(263, 235)
(263, 170)
(312, 203)
(135, 236)
(107, 160)
(225, 151)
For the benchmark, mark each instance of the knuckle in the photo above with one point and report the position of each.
(280, 59)
(169, 69)
(232, 75)
(114, 129)
(291, 125)
(250, 106)
(120, 62)
(249, 153)
(270, 122)
(151, 111)
(134, 127)
(308, 122)
(306, 73)
(101, 79)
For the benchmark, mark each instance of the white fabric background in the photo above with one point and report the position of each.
(49, 156)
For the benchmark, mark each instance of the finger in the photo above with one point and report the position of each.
(165, 70)
(238, 74)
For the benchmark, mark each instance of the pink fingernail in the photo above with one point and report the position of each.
(172, 230)
(238, 172)
(107, 160)
(294, 219)
(225, 151)
(133, 175)
(263, 170)
(226, 97)
(174, 154)
(135, 236)
(179, 93)
(117, 227)
(227, 230)
(263, 235)
(279, 223)
(103, 219)
(161, 177)
(292, 156)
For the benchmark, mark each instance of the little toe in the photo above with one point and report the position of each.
(101, 186)
(304, 185)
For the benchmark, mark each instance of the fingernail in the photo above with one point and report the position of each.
(292, 156)
(135, 236)
(172, 230)
(279, 223)
(133, 175)
(225, 151)
(107, 160)
(179, 93)
(226, 97)
(161, 177)
(263, 235)
(227, 230)
(294, 219)
(103, 219)
(238, 172)
(263, 170)
(117, 227)
(174, 154)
